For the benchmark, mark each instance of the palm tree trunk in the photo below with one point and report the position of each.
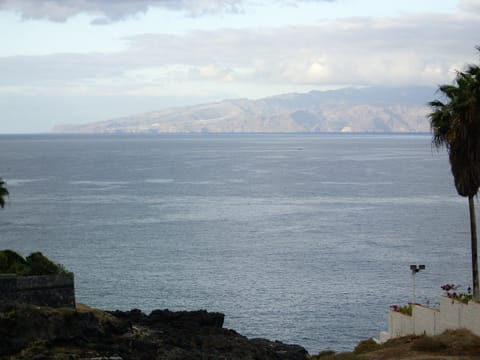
(473, 233)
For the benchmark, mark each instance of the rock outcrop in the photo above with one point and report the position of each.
(29, 332)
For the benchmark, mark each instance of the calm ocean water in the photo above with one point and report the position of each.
(305, 239)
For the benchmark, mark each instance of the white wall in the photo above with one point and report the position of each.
(425, 320)
(399, 324)
(452, 314)
(455, 314)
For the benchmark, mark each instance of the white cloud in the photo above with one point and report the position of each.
(405, 50)
(212, 72)
(470, 5)
(107, 11)
(112, 10)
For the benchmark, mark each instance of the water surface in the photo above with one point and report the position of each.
(301, 238)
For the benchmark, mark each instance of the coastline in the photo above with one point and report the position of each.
(41, 333)
(29, 332)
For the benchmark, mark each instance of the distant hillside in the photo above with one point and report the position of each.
(376, 109)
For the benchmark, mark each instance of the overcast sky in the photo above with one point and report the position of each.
(77, 61)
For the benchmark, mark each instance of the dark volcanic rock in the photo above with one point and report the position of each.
(185, 319)
(28, 332)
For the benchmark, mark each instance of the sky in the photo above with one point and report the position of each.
(80, 61)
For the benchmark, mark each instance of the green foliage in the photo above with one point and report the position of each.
(35, 264)
(456, 125)
(38, 264)
(363, 347)
(405, 309)
(11, 262)
(366, 346)
(465, 298)
(428, 344)
(450, 291)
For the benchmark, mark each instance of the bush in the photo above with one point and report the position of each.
(428, 344)
(11, 262)
(366, 346)
(405, 309)
(35, 264)
(38, 264)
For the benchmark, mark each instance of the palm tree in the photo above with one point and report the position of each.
(3, 193)
(456, 125)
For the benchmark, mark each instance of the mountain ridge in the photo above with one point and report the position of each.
(374, 109)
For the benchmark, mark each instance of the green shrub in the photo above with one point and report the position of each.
(38, 264)
(366, 346)
(428, 344)
(35, 264)
(11, 262)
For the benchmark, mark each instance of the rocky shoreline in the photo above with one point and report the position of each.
(32, 332)
(41, 333)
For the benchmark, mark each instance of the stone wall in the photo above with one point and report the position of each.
(45, 290)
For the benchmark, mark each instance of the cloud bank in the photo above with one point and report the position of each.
(405, 50)
(470, 5)
(115, 10)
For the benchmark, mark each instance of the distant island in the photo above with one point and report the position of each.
(373, 109)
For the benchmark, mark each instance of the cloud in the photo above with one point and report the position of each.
(403, 50)
(470, 5)
(362, 51)
(107, 11)
(112, 10)
(211, 72)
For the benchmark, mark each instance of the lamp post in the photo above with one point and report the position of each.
(415, 269)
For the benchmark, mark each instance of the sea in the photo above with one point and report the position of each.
(302, 238)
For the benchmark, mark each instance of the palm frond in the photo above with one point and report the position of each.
(455, 124)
